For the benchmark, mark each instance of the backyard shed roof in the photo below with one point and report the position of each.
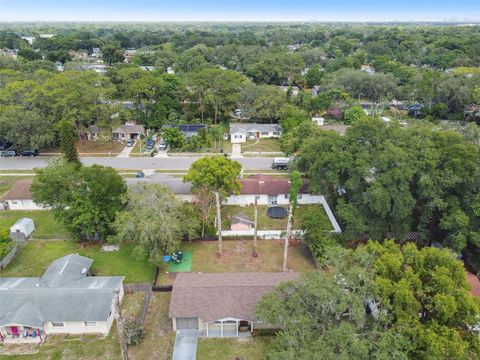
(212, 296)
(19, 191)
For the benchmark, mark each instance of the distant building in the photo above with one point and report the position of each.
(19, 197)
(129, 54)
(170, 71)
(294, 89)
(130, 130)
(147, 68)
(368, 69)
(239, 133)
(318, 120)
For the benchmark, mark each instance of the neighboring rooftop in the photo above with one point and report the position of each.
(130, 129)
(19, 191)
(475, 282)
(212, 296)
(63, 293)
(268, 185)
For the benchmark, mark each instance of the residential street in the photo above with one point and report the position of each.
(170, 163)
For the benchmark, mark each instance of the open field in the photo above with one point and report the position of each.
(37, 255)
(45, 224)
(265, 222)
(227, 349)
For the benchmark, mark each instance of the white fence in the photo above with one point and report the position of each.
(278, 234)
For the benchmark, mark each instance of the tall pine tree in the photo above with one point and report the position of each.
(67, 143)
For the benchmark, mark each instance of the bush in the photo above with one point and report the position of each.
(133, 331)
(6, 243)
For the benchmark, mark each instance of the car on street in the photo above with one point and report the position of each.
(280, 163)
(29, 152)
(130, 142)
(8, 153)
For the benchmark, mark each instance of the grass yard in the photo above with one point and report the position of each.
(227, 349)
(45, 224)
(6, 182)
(265, 222)
(264, 145)
(34, 259)
(159, 336)
(237, 256)
(99, 147)
(68, 347)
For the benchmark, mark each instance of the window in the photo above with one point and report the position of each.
(14, 202)
(286, 196)
(264, 133)
(90, 323)
(57, 324)
(299, 196)
(276, 133)
(238, 136)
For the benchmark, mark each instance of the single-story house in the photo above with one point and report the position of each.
(221, 304)
(239, 133)
(130, 130)
(269, 191)
(66, 299)
(188, 130)
(19, 197)
(93, 132)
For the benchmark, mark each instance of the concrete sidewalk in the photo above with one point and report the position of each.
(185, 347)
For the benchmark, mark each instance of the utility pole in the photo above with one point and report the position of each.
(255, 212)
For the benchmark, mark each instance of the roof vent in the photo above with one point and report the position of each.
(84, 271)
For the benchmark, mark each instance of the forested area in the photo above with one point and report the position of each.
(217, 68)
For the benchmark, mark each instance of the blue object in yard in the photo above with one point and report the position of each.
(167, 258)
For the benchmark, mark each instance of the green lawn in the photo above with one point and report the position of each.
(68, 347)
(227, 349)
(265, 222)
(34, 259)
(6, 182)
(264, 145)
(45, 224)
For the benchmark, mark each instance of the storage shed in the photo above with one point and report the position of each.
(24, 226)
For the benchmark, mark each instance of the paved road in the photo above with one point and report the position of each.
(185, 347)
(170, 163)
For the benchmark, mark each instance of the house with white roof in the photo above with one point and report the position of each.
(240, 133)
(66, 299)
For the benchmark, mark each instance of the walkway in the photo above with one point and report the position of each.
(185, 347)
(236, 151)
(126, 151)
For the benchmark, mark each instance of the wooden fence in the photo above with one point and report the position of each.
(136, 287)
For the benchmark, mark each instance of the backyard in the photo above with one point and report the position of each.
(46, 227)
(37, 255)
(265, 222)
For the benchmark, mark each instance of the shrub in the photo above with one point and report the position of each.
(133, 331)
(6, 243)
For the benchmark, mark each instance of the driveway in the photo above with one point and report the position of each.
(185, 347)
(126, 151)
(236, 150)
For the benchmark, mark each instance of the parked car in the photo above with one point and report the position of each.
(8, 153)
(5, 145)
(280, 163)
(162, 145)
(130, 142)
(150, 145)
(29, 153)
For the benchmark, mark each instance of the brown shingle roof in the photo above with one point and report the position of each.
(19, 191)
(213, 296)
(473, 280)
(264, 184)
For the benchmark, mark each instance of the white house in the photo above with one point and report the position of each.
(19, 197)
(240, 133)
(269, 191)
(221, 304)
(64, 300)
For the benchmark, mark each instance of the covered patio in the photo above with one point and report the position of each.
(228, 327)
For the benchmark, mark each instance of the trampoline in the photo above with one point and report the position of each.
(277, 212)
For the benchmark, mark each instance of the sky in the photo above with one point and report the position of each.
(239, 10)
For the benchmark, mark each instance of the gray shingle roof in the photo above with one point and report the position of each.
(235, 128)
(130, 129)
(63, 293)
(213, 296)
